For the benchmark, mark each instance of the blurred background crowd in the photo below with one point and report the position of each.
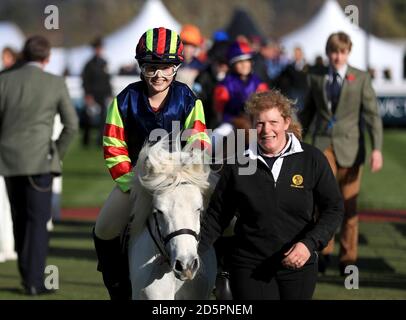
(286, 46)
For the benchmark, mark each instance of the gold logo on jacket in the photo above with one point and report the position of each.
(297, 180)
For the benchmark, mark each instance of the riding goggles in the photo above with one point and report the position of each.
(152, 70)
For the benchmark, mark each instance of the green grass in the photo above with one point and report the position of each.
(382, 266)
(386, 189)
(72, 251)
(87, 183)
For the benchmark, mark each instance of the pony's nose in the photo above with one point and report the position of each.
(178, 266)
(194, 265)
(182, 267)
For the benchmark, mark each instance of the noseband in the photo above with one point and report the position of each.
(162, 241)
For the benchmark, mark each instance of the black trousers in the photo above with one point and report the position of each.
(277, 284)
(30, 202)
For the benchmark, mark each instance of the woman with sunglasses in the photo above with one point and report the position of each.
(155, 102)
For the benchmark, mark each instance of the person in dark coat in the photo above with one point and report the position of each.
(29, 158)
(273, 254)
(293, 80)
(207, 80)
(97, 88)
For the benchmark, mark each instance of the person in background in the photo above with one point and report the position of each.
(231, 93)
(341, 103)
(372, 73)
(273, 252)
(230, 96)
(7, 251)
(275, 59)
(318, 67)
(387, 74)
(7, 247)
(205, 82)
(10, 59)
(29, 159)
(192, 40)
(293, 79)
(155, 102)
(259, 60)
(98, 90)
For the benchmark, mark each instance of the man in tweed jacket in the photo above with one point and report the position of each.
(341, 103)
(29, 100)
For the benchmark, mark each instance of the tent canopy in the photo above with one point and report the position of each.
(119, 47)
(313, 36)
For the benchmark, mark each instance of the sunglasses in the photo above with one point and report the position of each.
(152, 70)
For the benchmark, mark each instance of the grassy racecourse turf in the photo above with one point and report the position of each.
(382, 265)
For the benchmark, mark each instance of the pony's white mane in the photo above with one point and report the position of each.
(158, 170)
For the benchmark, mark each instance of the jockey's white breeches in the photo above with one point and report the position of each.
(114, 215)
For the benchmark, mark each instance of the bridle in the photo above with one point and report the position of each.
(162, 241)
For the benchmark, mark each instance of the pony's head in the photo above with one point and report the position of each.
(176, 182)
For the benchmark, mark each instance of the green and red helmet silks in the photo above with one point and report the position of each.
(159, 45)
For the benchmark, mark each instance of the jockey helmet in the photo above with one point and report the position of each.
(159, 45)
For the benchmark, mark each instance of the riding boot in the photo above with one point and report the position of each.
(113, 264)
(223, 291)
(222, 288)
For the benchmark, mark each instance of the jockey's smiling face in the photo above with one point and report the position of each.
(158, 77)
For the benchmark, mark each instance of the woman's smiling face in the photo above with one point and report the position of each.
(271, 130)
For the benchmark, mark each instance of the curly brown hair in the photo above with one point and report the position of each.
(263, 101)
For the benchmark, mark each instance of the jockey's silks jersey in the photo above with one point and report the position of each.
(231, 94)
(130, 119)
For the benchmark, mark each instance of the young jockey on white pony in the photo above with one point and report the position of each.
(152, 103)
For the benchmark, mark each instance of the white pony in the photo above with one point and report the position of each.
(168, 198)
